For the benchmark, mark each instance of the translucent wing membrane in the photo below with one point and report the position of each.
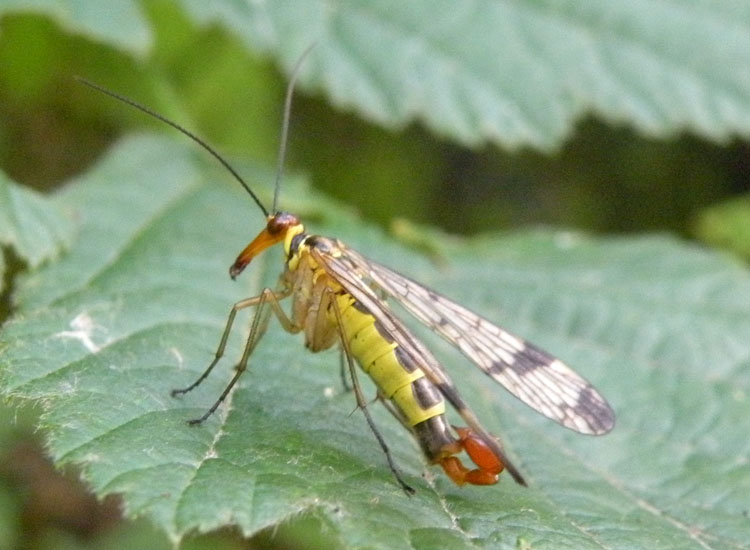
(538, 379)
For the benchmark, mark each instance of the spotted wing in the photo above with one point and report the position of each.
(535, 377)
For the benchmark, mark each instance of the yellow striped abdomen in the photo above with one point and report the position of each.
(397, 378)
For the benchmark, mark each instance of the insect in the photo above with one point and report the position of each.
(337, 299)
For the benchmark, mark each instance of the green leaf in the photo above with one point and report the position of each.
(118, 23)
(10, 504)
(514, 73)
(137, 307)
(35, 228)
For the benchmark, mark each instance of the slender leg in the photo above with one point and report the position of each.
(257, 329)
(342, 372)
(362, 402)
(394, 411)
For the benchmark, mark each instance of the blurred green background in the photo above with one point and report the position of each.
(604, 178)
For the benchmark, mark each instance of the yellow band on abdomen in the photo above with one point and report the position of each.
(378, 358)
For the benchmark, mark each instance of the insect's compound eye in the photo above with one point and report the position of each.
(280, 222)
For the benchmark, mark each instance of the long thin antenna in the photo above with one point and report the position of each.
(285, 124)
(182, 130)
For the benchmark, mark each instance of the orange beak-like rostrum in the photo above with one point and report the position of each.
(274, 232)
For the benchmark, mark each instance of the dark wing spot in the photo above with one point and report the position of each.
(597, 413)
(530, 358)
(497, 367)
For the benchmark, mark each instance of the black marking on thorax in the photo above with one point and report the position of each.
(297, 241)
